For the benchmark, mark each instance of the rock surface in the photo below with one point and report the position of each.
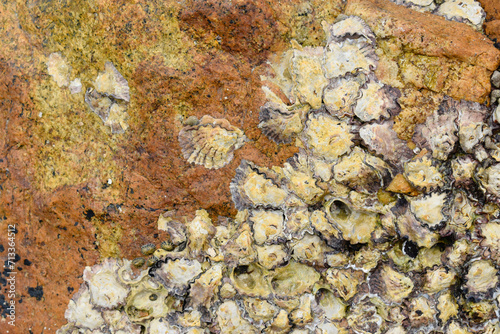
(77, 193)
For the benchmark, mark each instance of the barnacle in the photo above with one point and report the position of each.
(253, 187)
(350, 27)
(210, 143)
(327, 137)
(356, 225)
(362, 172)
(375, 101)
(280, 123)
(307, 75)
(382, 139)
(439, 131)
(422, 173)
(342, 94)
(300, 179)
(468, 11)
(109, 98)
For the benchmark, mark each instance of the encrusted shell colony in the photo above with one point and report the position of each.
(356, 233)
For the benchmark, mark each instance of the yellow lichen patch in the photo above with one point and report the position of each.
(78, 147)
(108, 238)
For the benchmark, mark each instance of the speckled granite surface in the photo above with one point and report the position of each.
(78, 193)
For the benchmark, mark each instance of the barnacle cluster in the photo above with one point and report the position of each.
(466, 11)
(356, 233)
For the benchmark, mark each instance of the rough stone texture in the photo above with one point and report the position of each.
(204, 57)
(427, 51)
(492, 9)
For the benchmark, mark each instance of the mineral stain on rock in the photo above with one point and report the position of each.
(36, 292)
(55, 156)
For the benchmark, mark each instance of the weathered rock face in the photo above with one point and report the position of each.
(78, 193)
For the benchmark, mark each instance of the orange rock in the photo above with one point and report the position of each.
(492, 9)
(440, 55)
(401, 186)
(492, 29)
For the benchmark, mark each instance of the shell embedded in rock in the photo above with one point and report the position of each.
(342, 94)
(58, 69)
(268, 225)
(482, 279)
(430, 210)
(327, 137)
(381, 139)
(351, 27)
(489, 180)
(254, 186)
(307, 75)
(279, 123)
(423, 173)
(348, 57)
(468, 11)
(112, 83)
(210, 143)
(362, 171)
(375, 102)
(300, 179)
(105, 288)
(439, 131)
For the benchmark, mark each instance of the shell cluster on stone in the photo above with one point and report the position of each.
(356, 233)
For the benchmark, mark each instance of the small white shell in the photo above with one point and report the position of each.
(58, 69)
(112, 83)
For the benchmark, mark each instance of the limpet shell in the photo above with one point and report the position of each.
(254, 186)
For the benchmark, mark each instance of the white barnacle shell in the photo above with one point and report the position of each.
(307, 75)
(364, 318)
(230, 319)
(362, 172)
(105, 288)
(251, 280)
(390, 284)
(327, 137)
(345, 282)
(280, 123)
(489, 180)
(58, 69)
(491, 233)
(271, 256)
(481, 280)
(384, 141)
(421, 312)
(260, 309)
(342, 93)
(81, 312)
(112, 114)
(310, 249)
(210, 143)
(410, 227)
(439, 131)
(472, 128)
(268, 225)
(176, 275)
(350, 56)
(119, 323)
(200, 230)
(422, 174)
(300, 179)
(375, 101)
(162, 326)
(468, 11)
(112, 83)
(205, 288)
(293, 280)
(254, 186)
(431, 210)
(356, 225)
(350, 27)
